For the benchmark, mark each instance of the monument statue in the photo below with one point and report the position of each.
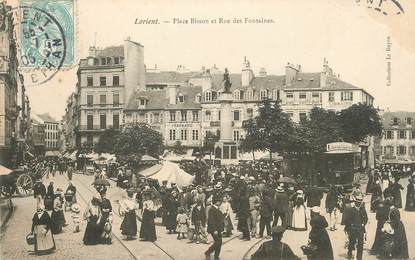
(226, 82)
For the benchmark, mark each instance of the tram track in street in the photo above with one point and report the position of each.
(121, 240)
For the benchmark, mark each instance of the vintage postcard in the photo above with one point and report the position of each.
(207, 129)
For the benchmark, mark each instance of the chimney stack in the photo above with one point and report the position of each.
(291, 72)
(247, 74)
(171, 92)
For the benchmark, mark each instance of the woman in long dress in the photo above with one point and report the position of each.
(172, 207)
(92, 231)
(319, 237)
(57, 216)
(376, 195)
(129, 223)
(41, 228)
(148, 228)
(299, 221)
(410, 195)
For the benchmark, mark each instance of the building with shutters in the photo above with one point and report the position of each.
(397, 144)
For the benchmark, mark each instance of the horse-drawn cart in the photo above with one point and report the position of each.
(18, 180)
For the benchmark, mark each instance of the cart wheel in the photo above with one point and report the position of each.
(24, 185)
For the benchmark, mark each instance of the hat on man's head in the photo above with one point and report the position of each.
(358, 197)
(279, 189)
(277, 230)
(75, 208)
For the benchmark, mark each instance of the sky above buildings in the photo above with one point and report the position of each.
(352, 37)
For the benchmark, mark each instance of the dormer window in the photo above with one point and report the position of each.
(116, 60)
(395, 121)
(275, 94)
(208, 96)
(249, 95)
(96, 61)
(263, 95)
(143, 102)
(180, 97)
(198, 98)
(237, 95)
(409, 121)
(103, 61)
(108, 60)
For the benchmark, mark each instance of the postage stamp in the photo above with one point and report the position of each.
(45, 33)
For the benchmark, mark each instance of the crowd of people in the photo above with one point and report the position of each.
(255, 199)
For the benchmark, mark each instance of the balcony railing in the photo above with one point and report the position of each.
(94, 128)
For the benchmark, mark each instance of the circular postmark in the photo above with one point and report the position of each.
(41, 44)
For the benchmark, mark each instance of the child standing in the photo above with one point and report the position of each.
(182, 223)
(76, 216)
(199, 220)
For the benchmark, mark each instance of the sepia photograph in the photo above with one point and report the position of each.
(207, 130)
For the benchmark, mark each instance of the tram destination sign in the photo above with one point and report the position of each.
(341, 147)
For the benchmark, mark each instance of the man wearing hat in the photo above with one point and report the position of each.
(355, 221)
(275, 249)
(39, 192)
(281, 206)
(215, 227)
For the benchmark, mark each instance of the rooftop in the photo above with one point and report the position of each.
(47, 118)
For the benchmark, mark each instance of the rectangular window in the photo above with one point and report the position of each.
(401, 150)
(409, 121)
(331, 96)
(207, 115)
(412, 150)
(172, 134)
(401, 134)
(156, 118)
(347, 96)
(413, 134)
(102, 99)
(102, 81)
(90, 139)
(116, 99)
(183, 134)
(116, 60)
(103, 61)
(195, 116)
(90, 122)
(116, 80)
(389, 150)
(249, 112)
(89, 81)
(236, 115)
(289, 95)
(236, 135)
(389, 135)
(172, 116)
(183, 116)
(195, 135)
(208, 96)
(395, 121)
(303, 95)
(303, 117)
(102, 121)
(89, 100)
(233, 152)
(116, 121)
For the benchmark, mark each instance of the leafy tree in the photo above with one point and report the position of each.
(178, 148)
(209, 142)
(251, 141)
(107, 141)
(136, 140)
(359, 121)
(272, 129)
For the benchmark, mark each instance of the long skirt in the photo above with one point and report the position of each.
(289, 216)
(410, 202)
(228, 225)
(377, 244)
(44, 243)
(171, 223)
(148, 228)
(58, 220)
(299, 221)
(93, 232)
(129, 224)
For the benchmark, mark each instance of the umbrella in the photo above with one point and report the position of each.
(101, 182)
(287, 180)
(4, 170)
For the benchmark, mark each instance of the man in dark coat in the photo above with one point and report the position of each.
(280, 206)
(39, 192)
(410, 194)
(215, 228)
(274, 249)
(266, 214)
(332, 206)
(355, 221)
